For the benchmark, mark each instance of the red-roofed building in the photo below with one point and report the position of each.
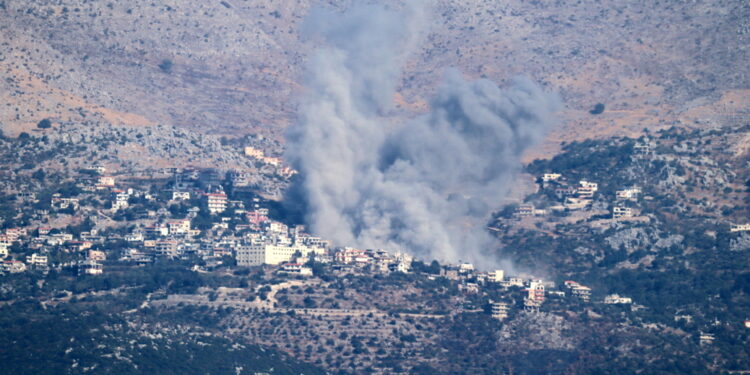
(257, 217)
(351, 255)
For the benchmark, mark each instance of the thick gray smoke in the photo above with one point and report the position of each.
(426, 187)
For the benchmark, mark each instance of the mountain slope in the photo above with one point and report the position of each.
(235, 66)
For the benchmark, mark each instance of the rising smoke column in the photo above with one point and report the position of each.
(426, 187)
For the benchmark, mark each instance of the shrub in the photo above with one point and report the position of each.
(598, 108)
(44, 124)
(166, 66)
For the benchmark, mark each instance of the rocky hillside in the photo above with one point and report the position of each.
(677, 250)
(235, 66)
(55, 155)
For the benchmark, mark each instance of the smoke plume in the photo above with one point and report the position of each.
(427, 186)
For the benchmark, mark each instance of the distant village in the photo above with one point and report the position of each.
(578, 197)
(212, 240)
(240, 232)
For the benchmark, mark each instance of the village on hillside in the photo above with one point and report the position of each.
(212, 219)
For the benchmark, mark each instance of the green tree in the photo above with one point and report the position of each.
(44, 124)
(166, 66)
(39, 175)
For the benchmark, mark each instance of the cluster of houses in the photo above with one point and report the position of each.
(41, 243)
(167, 238)
(10, 236)
(535, 291)
(581, 291)
(259, 155)
(377, 260)
(254, 240)
(572, 197)
(257, 241)
(577, 197)
(249, 237)
(740, 228)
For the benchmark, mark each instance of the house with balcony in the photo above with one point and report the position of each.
(216, 202)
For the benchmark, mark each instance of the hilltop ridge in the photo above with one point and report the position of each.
(235, 67)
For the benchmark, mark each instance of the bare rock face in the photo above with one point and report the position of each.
(234, 66)
(192, 64)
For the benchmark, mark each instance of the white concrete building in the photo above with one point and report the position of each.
(157, 230)
(14, 266)
(106, 181)
(547, 177)
(535, 294)
(121, 200)
(512, 281)
(577, 290)
(90, 267)
(401, 265)
(37, 260)
(706, 338)
(257, 254)
(217, 202)
(63, 203)
(642, 148)
(587, 189)
(134, 237)
(253, 152)
(588, 184)
(348, 255)
(241, 178)
(630, 193)
(525, 210)
(614, 299)
(277, 228)
(179, 226)
(500, 310)
(619, 213)
(313, 241)
(296, 268)
(96, 255)
(180, 195)
(466, 268)
(496, 276)
(166, 248)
